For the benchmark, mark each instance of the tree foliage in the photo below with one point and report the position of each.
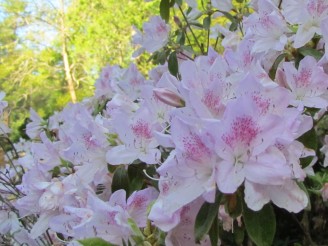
(32, 71)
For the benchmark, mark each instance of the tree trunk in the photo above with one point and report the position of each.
(68, 74)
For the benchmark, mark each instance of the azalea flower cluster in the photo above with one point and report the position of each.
(221, 125)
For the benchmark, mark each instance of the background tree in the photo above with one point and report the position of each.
(53, 50)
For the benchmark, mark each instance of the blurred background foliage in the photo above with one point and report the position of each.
(51, 50)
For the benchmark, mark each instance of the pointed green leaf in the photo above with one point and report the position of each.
(95, 241)
(205, 218)
(207, 22)
(195, 23)
(138, 237)
(161, 57)
(233, 27)
(120, 179)
(273, 69)
(164, 9)
(173, 64)
(309, 139)
(172, 2)
(136, 177)
(181, 38)
(306, 51)
(214, 231)
(238, 233)
(234, 21)
(260, 225)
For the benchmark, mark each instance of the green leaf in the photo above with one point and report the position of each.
(173, 64)
(205, 218)
(120, 179)
(164, 9)
(273, 69)
(306, 161)
(238, 233)
(138, 237)
(233, 27)
(178, 2)
(181, 38)
(55, 171)
(309, 139)
(161, 58)
(207, 22)
(136, 177)
(95, 241)
(172, 2)
(195, 23)
(307, 51)
(214, 231)
(260, 225)
(234, 22)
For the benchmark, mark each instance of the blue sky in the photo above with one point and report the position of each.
(42, 33)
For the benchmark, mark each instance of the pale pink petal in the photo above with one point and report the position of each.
(256, 196)
(41, 225)
(229, 176)
(151, 156)
(304, 34)
(288, 196)
(121, 155)
(164, 221)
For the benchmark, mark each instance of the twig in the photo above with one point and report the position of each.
(193, 34)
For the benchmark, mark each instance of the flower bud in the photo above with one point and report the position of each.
(169, 97)
(177, 21)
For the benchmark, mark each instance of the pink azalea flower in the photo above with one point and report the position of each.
(155, 36)
(160, 102)
(156, 73)
(183, 233)
(266, 28)
(105, 86)
(245, 144)
(35, 127)
(131, 82)
(121, 102)
(189, 170)
(308, 14)
(10, 225)
(203, 87)
(107, 220)
(308, 83)
(45, 154)
(137, 136)
(287, 195)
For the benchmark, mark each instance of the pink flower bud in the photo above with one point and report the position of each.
(177, 21)
(169, 97)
